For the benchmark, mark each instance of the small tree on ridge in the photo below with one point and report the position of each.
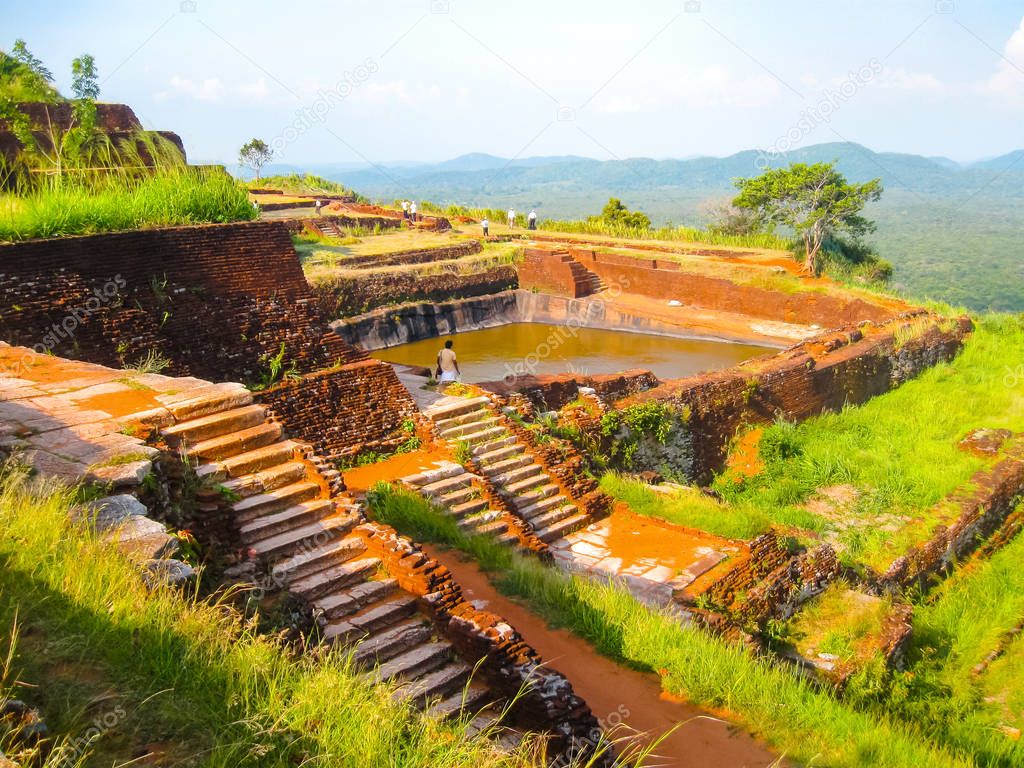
(84, 78)
(816, 201)
(255, 154)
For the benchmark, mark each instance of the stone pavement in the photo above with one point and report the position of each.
(652, 558)
(84, 422)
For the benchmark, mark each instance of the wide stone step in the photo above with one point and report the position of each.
(520, 487)
(483, 518)
(446, 470)
(216, 424)
(336, 577)
(483, 449)
(544, 505)
(506, 464)
(465, 405)
(468, 508)
(261, 458)
(563, 528)
(490, 459)
(314, 559)
(483, 436)
(517, 475)
(447, 485)
(493, 528)
(392, 641)
(267, 503)
(436, 685)
(287, 519)
(208, 400)
(448, 423)
(470, 428)
(555, 515)
(412, 664)
(469, 699)
(266, 479)
(371, 619)
(340, 604)
(460, 496)
(534, 495)
(308, 537)
(236, 443)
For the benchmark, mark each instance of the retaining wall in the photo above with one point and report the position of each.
(849, 366)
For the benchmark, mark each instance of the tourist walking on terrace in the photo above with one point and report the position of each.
(318, 206)
(412, 210)
(485, 224)
(532, 218)
(511, 218)
(447, 365)
(405, 209)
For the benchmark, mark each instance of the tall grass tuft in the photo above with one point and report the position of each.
(167, 197)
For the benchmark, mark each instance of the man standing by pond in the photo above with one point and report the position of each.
(447, 365)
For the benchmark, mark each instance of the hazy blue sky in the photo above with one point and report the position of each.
(422, 80)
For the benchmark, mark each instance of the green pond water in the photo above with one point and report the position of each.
(537, 348)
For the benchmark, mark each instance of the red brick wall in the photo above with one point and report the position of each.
(662, 279)
(343, 410)
(216, 300)
(545, 271)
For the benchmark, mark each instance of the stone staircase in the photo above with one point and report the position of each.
(308, 540)
(587, 283)
(507, 465)
(459, 492)
(328, 228)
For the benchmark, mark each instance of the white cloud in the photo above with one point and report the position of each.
(710, 87)
(397, 92)
(256, 91)
(210, 89)
(901, 79)
(1007, 83)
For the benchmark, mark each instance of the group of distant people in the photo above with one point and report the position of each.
(531, 221)
(409, 210)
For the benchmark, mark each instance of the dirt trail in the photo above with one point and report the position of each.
(615, 693)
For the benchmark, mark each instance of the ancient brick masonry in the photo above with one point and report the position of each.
(343, 410)
(346, 296)
(977, 514)
(848, 366)
(547, 703)
(218, 302)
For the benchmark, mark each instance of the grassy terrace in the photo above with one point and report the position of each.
(173, 675)
(169, 197)
(803, 723)
(868, 479)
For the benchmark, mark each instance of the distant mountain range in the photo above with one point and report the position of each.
(466, 178)
(952, 230)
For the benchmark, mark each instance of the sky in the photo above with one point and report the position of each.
(428, 80)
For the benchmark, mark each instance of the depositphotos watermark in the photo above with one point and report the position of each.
(65, 329)
(72, 752)
(831, 101)
(326, 100)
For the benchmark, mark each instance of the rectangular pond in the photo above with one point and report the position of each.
(537, 348)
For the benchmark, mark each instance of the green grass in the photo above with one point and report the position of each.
(805, 724)
(954, 630)
(839, 621)
(168, 197)
(174, 671)
(899, 451)
(301, 184)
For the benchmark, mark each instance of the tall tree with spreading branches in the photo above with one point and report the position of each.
(85, 82)
(255, 154)
(815, 201)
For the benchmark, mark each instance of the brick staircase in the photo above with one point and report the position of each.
(459, 492)
(508, 466)
(327, 228)
(587, 283)
(308, 540)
